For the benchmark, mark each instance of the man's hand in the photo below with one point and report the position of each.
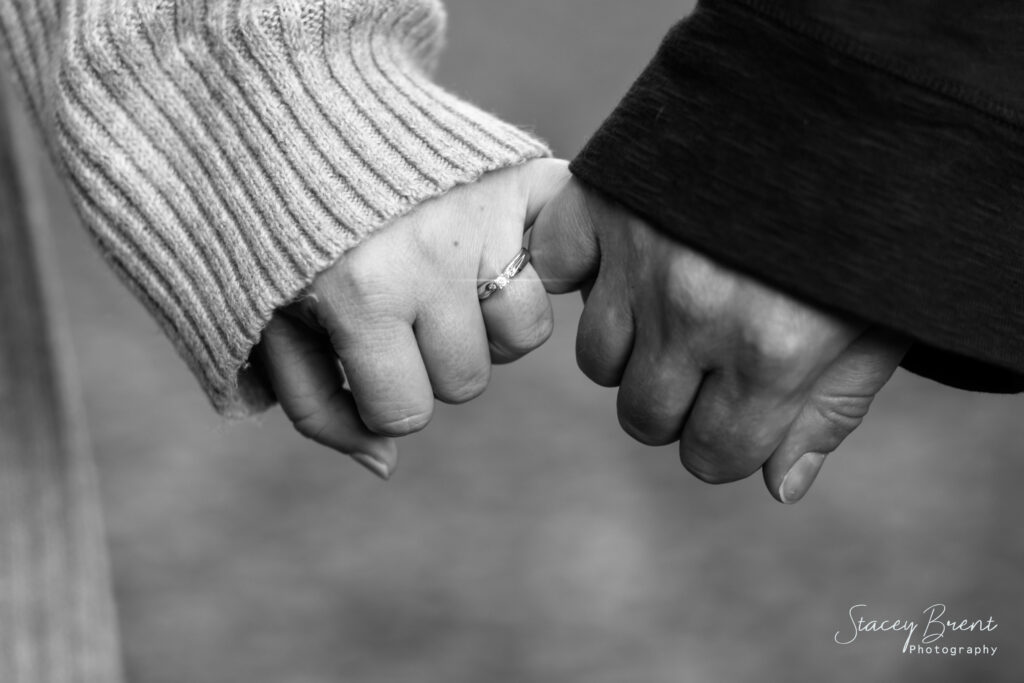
(741, 374)
(401, 314)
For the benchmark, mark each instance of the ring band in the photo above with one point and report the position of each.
(488, 287)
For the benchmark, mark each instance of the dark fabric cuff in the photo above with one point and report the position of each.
(802, 159)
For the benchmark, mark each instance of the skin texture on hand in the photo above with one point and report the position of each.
(397, 322)
(742, 375)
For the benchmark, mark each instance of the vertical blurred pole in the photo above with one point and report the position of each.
(57, 622)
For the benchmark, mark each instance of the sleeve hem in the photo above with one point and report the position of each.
(828, 178)
(223, 158)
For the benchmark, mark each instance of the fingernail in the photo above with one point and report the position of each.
(373, 463)
(800, 477)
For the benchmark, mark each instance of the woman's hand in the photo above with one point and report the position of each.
(402, 315)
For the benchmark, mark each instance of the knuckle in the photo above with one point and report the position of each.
(596, 360)
(354, 287)
(696, 287)
(501, 356)
(466, 388)
(311, 425)
(718, 458)
(705, 468)
(309, 416)
(780, 355)
(677, 287)
(400, 422)
(842, 414)
(422, 243)
(702, 438)
(525, 339)
(781, 346)
(597, 369)
(644, 431)
(643, 421)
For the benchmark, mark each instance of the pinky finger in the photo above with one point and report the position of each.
(304, 373)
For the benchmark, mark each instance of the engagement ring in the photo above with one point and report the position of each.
(488, 287)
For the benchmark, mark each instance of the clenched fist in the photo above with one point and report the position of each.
(742, 375)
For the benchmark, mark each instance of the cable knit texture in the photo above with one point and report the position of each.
(223, 152)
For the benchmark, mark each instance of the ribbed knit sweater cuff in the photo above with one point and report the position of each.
(224, 153)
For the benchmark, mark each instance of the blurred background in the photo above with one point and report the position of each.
(524, 537)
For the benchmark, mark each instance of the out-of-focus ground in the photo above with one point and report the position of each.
(524, 538)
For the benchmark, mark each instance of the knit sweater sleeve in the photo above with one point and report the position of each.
(223, 152)
(864, 155)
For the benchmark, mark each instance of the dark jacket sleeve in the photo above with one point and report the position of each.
(864, 155)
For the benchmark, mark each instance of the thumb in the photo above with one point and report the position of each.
(837, 405)
(563, 241)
